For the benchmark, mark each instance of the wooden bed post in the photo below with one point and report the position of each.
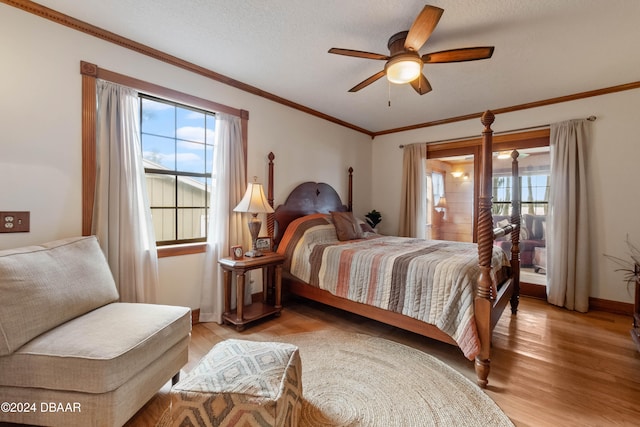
(482, 302)
(270, 216)
(515, 235)
(350, 205)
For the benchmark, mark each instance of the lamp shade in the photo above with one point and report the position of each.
(254, 200)
(442, 203)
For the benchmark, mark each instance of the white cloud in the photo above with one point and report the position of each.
(194, 133)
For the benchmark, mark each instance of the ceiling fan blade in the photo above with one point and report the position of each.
(367, 82)
(357, 53)
(458, 55)
(422, 27)
(421, 85)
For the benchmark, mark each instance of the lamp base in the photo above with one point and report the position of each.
(253, 253)
(254, 229)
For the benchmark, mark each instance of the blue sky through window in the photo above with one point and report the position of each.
(177, 138)
(177, 147)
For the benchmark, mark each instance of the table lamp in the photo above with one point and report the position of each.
(254, 202)
(441, 207)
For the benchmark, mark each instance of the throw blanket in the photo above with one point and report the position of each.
(430, 280)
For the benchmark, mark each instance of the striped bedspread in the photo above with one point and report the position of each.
(429, 280)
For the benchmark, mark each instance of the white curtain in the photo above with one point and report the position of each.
(437, 188)
(121, 214)
(568, 270)
(413, 216)
(226, 228)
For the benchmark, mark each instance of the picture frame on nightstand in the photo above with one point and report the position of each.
(237, 252)
(264, 244)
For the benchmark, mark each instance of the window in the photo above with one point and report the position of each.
(437, 181)
(90, 73)
(534, 197)
(534, 182)
(177, 146)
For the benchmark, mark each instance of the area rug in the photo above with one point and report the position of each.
(357, 380)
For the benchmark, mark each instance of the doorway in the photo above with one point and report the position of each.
(450, 198)
(534, 167)
(456, 219)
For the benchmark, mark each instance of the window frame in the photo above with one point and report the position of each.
(175, 173)
(90, 72)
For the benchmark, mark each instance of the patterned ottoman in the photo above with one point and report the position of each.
(241, 383)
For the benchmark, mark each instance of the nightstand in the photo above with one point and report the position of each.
(271, 265)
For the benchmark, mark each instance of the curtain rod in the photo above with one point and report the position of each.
(462, 138)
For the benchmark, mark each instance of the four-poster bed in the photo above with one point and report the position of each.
(396, 280)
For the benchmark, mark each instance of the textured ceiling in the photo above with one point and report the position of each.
(543, 49)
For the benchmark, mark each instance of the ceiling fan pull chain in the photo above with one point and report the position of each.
(389, 93)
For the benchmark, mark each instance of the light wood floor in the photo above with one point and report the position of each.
(550, 366)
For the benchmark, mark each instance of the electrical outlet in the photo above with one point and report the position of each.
(14, 222)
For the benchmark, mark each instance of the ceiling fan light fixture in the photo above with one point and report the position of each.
(403, 68)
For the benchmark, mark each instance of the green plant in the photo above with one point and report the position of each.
(630, 267)
(373, 218)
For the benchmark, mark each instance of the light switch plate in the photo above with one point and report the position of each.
(14, 222)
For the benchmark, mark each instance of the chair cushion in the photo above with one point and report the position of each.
(99, 351)
(53, 282)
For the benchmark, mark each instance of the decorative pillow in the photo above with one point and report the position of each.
(366, 228)
(538, 232)
(524, 234)
(503, 223)
(347, 228)
(53, 283)
(533, 224)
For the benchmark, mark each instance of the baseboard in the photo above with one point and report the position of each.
(608, 306)
(616, 307)
(533, 290)
(195, 316)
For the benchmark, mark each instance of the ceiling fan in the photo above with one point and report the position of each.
(404, 63)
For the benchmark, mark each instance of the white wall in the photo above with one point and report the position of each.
(614, 179)
(40, 112)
